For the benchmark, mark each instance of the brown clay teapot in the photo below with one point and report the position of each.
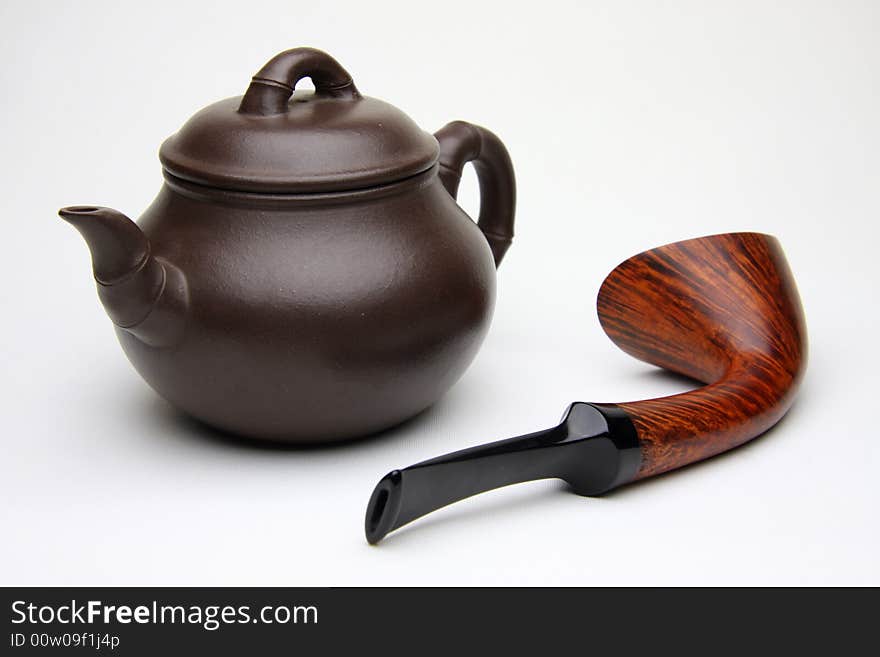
(305, 273)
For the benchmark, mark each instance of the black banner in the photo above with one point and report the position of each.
(147, 621)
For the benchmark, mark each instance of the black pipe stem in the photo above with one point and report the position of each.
(594, 448)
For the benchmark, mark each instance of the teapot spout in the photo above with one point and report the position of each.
(142, 294)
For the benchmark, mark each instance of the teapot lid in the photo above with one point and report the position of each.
(273, 139)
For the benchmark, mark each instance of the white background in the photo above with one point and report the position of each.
(631, 124)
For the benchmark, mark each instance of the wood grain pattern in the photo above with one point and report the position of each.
(723, 310)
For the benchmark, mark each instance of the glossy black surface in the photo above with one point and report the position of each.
(594, 448)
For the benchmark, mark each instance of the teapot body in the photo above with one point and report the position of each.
(316, 317)
(305, 274)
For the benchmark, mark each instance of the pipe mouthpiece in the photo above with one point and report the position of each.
(384, 507)
(594, 448)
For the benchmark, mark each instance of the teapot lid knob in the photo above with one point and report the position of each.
(272, 87)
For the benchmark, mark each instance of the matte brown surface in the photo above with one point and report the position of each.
(277, 141)
(462, 142)
(723, 310)
(305, 317)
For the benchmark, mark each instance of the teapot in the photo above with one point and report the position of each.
(305, 273)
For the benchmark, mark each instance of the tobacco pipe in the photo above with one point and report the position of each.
(723, 310)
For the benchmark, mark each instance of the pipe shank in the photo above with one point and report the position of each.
(723, 310)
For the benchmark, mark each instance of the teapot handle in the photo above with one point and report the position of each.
(462, 142)
(272, 86)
